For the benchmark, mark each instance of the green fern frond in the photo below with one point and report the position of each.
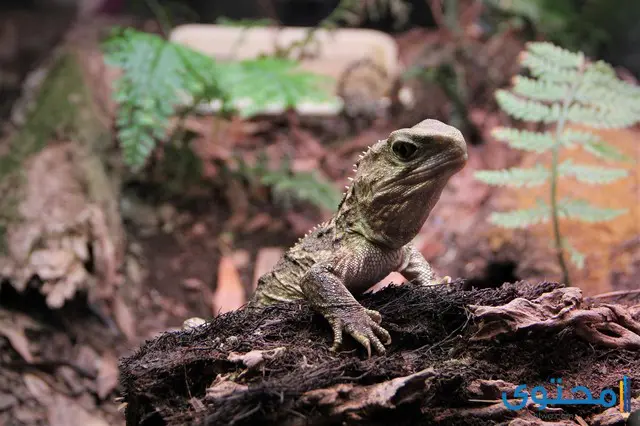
(601, 118)
(522, 218)
(547, 68)
(270, 82)
(558, 56)
(565, 89)
(525, 140)
(593, 144)
(158, 76)
(515, 176)
(525, 109)
(540, 90)
(571, 137)
(591, 174)
(605, 151)
(582, 210)
(287, 185)
(304, 186)
(575, 256)
(154, 74)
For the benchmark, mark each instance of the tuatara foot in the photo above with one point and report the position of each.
(362, 324)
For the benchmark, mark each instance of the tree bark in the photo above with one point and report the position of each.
(59, 218)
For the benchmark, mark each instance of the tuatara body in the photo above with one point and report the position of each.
(397, 183)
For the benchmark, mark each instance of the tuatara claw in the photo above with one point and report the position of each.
(362, 325)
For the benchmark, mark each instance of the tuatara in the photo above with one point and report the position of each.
(397, 183)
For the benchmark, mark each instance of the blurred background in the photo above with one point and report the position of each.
(157, 157)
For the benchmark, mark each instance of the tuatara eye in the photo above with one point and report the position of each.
(404, 150)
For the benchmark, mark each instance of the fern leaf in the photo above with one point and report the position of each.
(515, 176)
(524, 109)
(540, 90)
(593, 144)
(268, 82)
(582, 210)
(576, 257)
(305, 186)
(605, 151)
(570, 137)
(602, 118)
(525, 140)
(521, 218)
(549, 62)
(154, 74)
(591, 174)
(557, 55)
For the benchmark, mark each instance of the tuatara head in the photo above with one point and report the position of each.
(400, 179)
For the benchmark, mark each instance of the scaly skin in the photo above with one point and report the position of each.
(397, 183)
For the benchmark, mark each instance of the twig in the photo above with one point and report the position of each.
(615, 293)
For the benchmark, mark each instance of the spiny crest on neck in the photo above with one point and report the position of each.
(353, 179)
(311, 231)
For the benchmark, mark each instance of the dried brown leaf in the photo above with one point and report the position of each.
(229, 294)
(63, 411)
(107, 379)
(124, 317)
(265, 260)
(255, 358)
(17, 339)
(222, 387)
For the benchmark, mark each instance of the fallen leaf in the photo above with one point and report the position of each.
(192, 283)
(63, 411)
(7, 401)
(240, 258)
(193, 322)
(88, 359)
(124, 318)
(107, 379)
(229, 294)
(17, 339)
(71, 379)
(347, 398)
(265, 260)
(258, 222)
(37, 388)
(256, 357)
(223, 387)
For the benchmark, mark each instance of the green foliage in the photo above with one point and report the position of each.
(522, 218)
(287, 185)
(563, 88)
(574, 25)
(154, 76)
(159, 76)
(269, 82)
(515, 176)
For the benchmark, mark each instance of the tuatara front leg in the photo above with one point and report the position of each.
(325, 291)
(328, 286)
(416, 269)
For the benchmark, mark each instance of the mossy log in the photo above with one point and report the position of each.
(454, 352)
(60, 226)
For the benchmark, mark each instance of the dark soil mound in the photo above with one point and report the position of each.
(274, 366)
